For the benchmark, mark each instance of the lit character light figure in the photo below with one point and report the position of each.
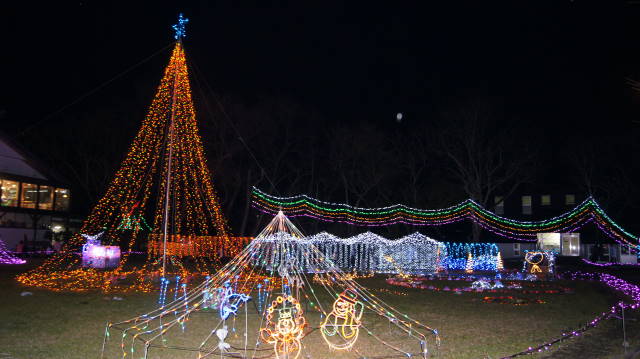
(230, 301)
(341, 327)
(534, 259)
(286, 333)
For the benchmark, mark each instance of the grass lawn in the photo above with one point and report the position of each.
(71, 325)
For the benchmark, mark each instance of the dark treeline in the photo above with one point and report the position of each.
(476, 148)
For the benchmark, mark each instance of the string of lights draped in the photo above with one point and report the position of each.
(586, 212)
(630, 291)
(193, 215)
(7, 257)
(266, 304)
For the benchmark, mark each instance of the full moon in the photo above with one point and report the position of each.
(399, 116)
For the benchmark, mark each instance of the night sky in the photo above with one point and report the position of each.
(560, 64)
(559, 68)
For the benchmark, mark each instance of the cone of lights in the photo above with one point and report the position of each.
(165, 169)
(281, 297)
(586, 212)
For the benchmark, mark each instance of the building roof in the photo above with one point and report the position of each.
(16, 161)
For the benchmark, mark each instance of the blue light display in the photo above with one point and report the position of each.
(484, 256)
(231, 301)
(180, 27)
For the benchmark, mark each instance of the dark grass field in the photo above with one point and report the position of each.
(71, 325)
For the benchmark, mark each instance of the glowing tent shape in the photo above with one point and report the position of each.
(273, 306)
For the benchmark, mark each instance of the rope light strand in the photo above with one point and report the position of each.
(583, 213)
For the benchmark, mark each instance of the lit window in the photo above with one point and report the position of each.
(526, 204)
(45, 198)
(499, 204)
(63, 196)
(545, 200)
(516, 249)
(29, 195)
(569, 199)
(10, 191)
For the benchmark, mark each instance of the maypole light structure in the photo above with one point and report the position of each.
(280, 298)
(164, 177)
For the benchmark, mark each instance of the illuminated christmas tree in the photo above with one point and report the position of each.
(499, 263)
(164, 175)
(469, 266)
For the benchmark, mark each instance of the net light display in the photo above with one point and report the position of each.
(371, 253)
(586, 212)
(194, 217)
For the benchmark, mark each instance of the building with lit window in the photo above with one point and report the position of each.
(538, 205)
(34, 202)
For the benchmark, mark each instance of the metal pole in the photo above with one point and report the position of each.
(624, 333)
(168, 182)
(104, 340)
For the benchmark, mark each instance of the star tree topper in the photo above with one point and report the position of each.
(180, 27)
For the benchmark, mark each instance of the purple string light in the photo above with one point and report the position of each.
(630, 290)
(7, 258)
(610, 264)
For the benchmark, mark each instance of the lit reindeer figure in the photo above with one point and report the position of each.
(287, 332)
(340, 329)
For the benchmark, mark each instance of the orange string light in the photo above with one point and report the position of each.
(198, 228)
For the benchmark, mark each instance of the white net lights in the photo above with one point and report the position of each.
(366, 252)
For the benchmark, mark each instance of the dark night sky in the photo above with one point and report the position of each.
(559, 67)
(561, 64)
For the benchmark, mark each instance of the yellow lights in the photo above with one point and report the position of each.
(287, 331)
(399, 270)
(196, 221)
(534, 259)
(499, 262)
(341, 327)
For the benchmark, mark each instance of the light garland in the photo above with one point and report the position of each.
(632, 291)
(610, 264)
(303, 205)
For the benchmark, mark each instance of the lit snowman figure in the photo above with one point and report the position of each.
(287, 332)
(340, 329)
